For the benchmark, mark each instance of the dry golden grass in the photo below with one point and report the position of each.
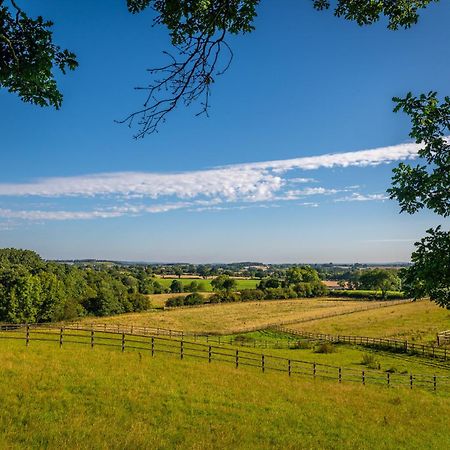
(417, 321)
(236, 317)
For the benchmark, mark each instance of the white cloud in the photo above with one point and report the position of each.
(235, 186)
(252, 181)
(357, 197)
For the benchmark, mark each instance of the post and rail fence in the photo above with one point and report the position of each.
(443, 338)
(163, 344)
(386, 343)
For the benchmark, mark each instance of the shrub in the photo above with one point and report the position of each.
(224, 297)
(139, 302)
(251, 294)
(194, 299)
(276, 294)
(325, 347)
(176, 286)
(175, 301)
(371, 295)
(193, 286)
(370, 361)
(301, 345)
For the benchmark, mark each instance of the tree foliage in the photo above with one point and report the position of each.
(400, 13)
(430, 273)
(28, 57)
(427, 186)
(33, 290)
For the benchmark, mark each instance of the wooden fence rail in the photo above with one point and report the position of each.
(154, 345)
(394, 344)
(443, 338)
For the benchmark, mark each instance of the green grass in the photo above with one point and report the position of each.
(241, 284)
(418, 322)
(82, 398)
(344, 356)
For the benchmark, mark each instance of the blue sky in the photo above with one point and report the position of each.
(277, 173)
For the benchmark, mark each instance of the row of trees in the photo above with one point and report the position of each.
(383, 280)
(32, 290)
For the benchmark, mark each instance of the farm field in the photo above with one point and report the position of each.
(416, 321)
(82, 398)
(159, 300)
(206, 284)
(228, 318)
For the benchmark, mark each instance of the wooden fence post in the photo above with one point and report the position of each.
(411, 381)
(388, 378)
(262, 363)
(314, 369)
(363, 378)
(434, 383)
(28, 336)
(123, 342)
(181, 349)
(153, 346)
(92, 338)
(289, 367)
(209, 354)
(237, 359)
(340, 375)
(61, 337)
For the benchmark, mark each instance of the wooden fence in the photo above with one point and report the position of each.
(155, 345)
(394, 344)
(443, 338)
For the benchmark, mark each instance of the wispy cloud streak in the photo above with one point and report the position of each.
(237, 186)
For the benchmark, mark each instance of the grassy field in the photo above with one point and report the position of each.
(418, 322)
(81, 398)
(206, 284)
(236, 317)
(159, 300)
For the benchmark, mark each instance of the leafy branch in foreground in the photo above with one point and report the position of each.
(28, 57)
(400, 13)
(427, 186)
(198, 30)
(430, 273)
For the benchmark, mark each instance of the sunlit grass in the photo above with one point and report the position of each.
(76, 397)
(417, 321)
(236, 317)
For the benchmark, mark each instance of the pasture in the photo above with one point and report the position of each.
(416, 321)
(81, 398)
(205, 285)
(228, 318)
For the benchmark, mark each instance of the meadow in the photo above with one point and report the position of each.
(228, 318)
(206, 284)
(416, 321)
(76, 397)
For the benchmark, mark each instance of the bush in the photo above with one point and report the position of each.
(301, 345)
(194, 299)
(370, 361)
(176, 286)
(224, 297)
(276, 294)
(251, 294)
(175, 301)
(139, 302)
(325, 347)
(371, 295)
